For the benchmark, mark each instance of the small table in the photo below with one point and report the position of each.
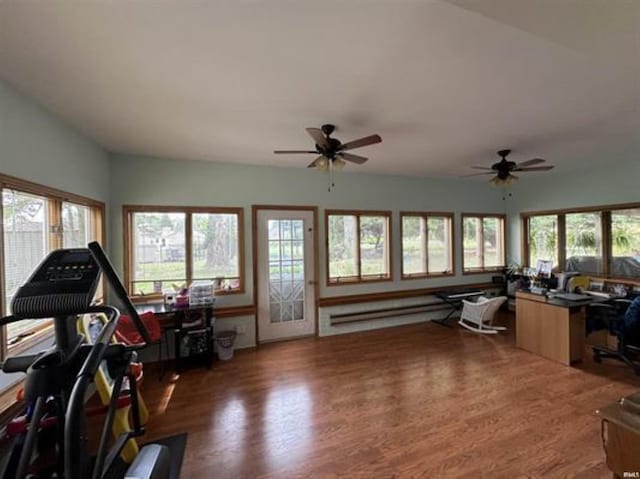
(621, 435)
(454, 300)
(192, 328)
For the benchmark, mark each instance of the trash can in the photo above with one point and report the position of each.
(224, 343)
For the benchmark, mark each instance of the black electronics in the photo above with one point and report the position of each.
(64, 283)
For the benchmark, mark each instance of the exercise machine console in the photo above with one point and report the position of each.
(54, 445)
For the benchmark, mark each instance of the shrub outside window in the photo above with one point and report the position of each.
(358, 246)
(427, 244)
(483, 243)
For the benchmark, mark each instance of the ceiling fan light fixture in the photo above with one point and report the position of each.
(322, 164)
(496, 181)
(338, 164)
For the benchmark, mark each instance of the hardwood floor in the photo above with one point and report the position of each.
(412, 401)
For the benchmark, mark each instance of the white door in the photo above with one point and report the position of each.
(286, 293)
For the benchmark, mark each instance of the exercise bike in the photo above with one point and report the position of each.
(53, 444)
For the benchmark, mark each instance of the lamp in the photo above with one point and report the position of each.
(322, 164)
(330, 165)
(497, 181)
(508, 180)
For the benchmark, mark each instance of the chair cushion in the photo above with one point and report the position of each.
(127, 333)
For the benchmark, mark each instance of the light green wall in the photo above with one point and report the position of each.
(615, 183)
(37, 146)
(140, 180)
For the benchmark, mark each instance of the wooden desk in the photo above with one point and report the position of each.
(552, 328)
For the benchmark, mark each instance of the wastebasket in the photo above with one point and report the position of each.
(224, 343)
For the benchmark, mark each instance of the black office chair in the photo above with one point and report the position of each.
(611, 316)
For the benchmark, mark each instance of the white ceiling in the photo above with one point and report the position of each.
(444, 82)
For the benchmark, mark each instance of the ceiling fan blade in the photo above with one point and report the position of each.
(353, 158)
(479, 174)
(367, 140)
(482, 168)
(534, 168)
(318, 137)
(293, 152)
(534, 161)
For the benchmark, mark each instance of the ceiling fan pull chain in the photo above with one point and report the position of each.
(333, 174)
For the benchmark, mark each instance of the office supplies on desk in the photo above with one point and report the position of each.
(600, 294)
(572, 296)
(577, 283)
(543, 268)
(563, 279)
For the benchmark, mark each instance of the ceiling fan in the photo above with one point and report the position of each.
(332, 152)
(503, 169)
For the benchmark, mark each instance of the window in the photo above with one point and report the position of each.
(427, 245)
(543, 239)
(625, 243)
(35, 221)
(168, 248)
(601, 241)
(583, 245)
(358, 245)
(216, 252)
(159, 251)
(483, 243)
(78, 225)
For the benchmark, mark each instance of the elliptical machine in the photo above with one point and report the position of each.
(54, 443)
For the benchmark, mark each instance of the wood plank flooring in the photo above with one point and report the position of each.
(412, 401)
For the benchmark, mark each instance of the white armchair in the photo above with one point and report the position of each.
(478, 316)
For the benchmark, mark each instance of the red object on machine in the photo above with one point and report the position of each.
(127, 333)
(20, 424)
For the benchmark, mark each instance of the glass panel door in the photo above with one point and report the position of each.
(286, 292)
(286, 270)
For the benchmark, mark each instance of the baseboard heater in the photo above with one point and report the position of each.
(336, 319)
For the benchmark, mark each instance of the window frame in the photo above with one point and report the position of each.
(605, 224)
(484, 270)
(525, 229)
(55, 199)
(358, 279)
(127, 217)
(426, 215)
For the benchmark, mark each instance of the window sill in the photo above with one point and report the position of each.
(497, 269)
(40, 335)
(157, 297)
(426, 276)
(347, 282)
